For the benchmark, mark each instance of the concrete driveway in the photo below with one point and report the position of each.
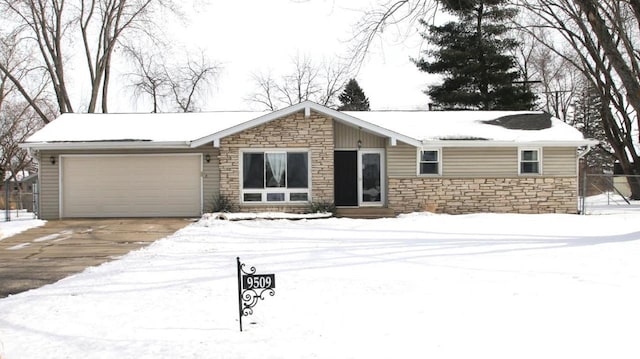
(47, 254)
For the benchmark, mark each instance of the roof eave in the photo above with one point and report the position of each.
(493, 143)
(96, 145)
(307, 106)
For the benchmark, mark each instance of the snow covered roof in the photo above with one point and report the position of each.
(495, 126)
(418, 128)
(158, 129)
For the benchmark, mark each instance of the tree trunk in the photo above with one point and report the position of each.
(605, 39)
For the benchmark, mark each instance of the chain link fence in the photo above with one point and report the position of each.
(607, 193)
(18, 203)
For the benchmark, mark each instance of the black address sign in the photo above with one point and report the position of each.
(259, 281)
(252, 288)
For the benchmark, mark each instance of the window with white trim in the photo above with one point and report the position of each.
(275, 176)
(529, 161)
(429, 162)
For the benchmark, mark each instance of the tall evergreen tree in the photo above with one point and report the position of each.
(353, 98)
(472, 54)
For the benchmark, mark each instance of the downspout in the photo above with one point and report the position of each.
(582, 199)
(36, 159)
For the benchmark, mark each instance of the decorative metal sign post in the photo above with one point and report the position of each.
(251, 288)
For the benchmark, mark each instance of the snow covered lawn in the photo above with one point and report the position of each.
(20, 221)
(419, 286)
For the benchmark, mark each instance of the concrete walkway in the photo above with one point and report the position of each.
(47, 254)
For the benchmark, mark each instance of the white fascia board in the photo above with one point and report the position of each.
(491, 143)
(367, 126)
(215, 137)
(102, 145)
(376, 130)
(307, 106)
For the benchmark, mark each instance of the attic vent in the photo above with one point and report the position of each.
(525, 121)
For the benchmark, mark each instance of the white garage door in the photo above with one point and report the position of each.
(131, 186)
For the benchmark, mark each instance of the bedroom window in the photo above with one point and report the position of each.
(429, 162)
(275, 176)
(529, 160)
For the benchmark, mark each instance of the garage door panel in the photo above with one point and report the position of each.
(131, 186)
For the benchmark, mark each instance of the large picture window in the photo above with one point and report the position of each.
(275, 176)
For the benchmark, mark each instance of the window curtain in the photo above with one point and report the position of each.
(276, 164)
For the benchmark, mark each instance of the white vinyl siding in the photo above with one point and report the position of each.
(560, 161)
(479, 162)
(401, 161)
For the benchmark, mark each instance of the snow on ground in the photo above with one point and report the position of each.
(418, 286)
(610, 203)
(20, 221)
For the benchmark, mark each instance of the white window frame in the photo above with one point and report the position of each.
(419, 161)
(267, 190)
(520, 161)
(383, 176)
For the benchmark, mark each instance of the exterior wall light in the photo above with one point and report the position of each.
(52, 159)
(207, 158)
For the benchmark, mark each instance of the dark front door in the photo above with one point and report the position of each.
(346, 178)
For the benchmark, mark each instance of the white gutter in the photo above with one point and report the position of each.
(492, 143)
(586, 150)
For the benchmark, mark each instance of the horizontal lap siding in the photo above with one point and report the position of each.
(480, 162)
(210, 177)
(401, 160)
(457, 162)
(476, 162)
(559, 161)
(49, 181)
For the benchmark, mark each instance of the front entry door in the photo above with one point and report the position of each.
(346, 178)
(371, 178)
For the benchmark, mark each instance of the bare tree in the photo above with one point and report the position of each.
(53, 26)
(602, 36)
(266, 92)
(20, 73)
(307, 80)
(17, 122)
(17, 118)
(191, 80)
(555, 80)
(179, 85)
(395, 14)
(148, 78)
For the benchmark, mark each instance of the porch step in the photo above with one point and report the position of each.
(365, 212)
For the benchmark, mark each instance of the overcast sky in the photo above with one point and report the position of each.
(259, 36)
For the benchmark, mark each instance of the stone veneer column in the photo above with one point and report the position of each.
(294, 131)
(474, 195)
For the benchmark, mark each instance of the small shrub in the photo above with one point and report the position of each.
(221, 204)
(322, 207)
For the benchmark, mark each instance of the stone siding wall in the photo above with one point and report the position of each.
(472, 195)
(294, 131)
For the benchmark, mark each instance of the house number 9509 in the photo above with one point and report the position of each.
(259, 281)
